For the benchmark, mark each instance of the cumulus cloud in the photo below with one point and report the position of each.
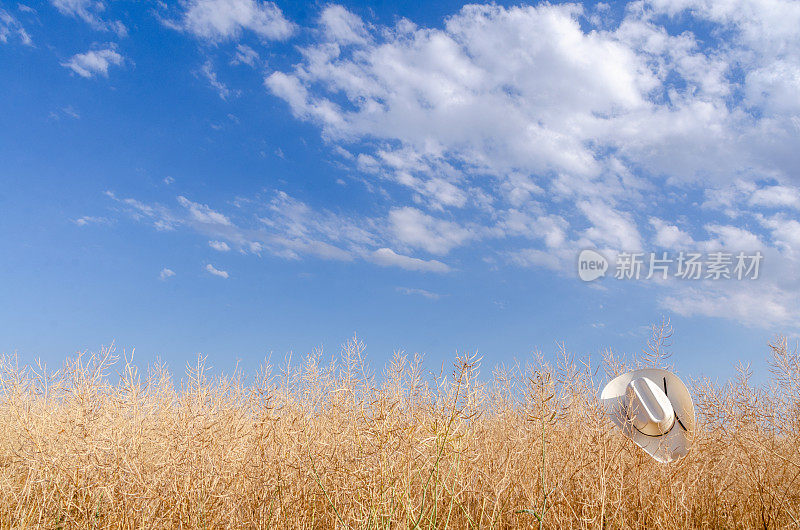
(94, 62)
(419, 230)
(440, 92)
(784, 233)
(342, 26)
(610, 227)
(220, 20)
(670, 236)
(566, 96)
(527, 133)
(166, 274)
(558, 127)
(219, 246)
(216, 272)
(776, 196)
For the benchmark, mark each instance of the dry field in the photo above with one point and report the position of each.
(322, 445)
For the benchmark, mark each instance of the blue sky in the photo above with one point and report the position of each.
(242, 178)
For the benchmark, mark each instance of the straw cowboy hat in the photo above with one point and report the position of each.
(654, 409)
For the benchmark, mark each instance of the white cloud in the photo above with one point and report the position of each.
(541, 130)
(317, 231)
(410, 291)
(208, 73)
(165, 274)
(610, 227)
(70, 111)
(785, 234)
(387, 257)
(418, 230)
(160, 216)
(202, 213)
(216, 272)
(753, 305)
(94, 62)
(342, 26)
(220, 246)
(168, 180)
(440, 92)
(11, 27)
(90, 11)
(670, 236)
(533, 257)
(777, 196)
(533, 124)
(246, 55)
(88, 219)
(219, 20)
(285, 227)
(527, 91)
(732, 238)
(732, 199)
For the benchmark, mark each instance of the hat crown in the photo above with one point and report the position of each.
(649, 408)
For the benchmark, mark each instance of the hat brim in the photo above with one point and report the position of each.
(670, 446)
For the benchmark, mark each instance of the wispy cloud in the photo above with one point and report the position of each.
(90, 11)
(161, 217)
(88, 219)
(387, 257)
(285, 227)
(203, 214)
(418, 292)
(70, 111)
(209, 74)
(165, 274)
(10, 27)
(246, 55)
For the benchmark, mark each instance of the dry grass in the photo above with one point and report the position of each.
(334, 446)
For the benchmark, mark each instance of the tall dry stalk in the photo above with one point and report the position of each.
(97, 444)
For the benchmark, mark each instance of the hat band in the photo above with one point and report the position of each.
(654, 435)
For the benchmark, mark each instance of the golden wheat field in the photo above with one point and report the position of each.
(99, 444)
